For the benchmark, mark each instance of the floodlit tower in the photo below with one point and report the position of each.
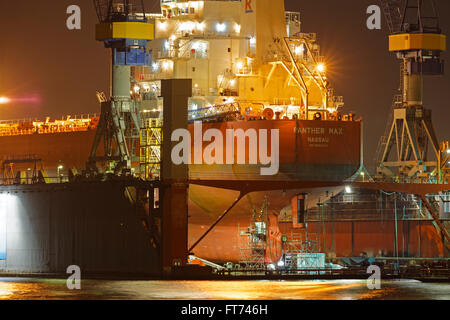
(417, 40)
(124, 29)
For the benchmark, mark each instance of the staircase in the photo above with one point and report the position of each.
(138, 201)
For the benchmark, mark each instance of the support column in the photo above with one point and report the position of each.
(353, 241)
(176, 93)
(298, 205)
(333, 246)
(121, 82)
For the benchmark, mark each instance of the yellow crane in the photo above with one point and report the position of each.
(410, 151)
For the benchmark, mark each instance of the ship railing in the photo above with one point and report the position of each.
(292, 16)
(397, 101)
(31, 126)
(165, 54)
(65, 118)
(20, 157)
(158, 76)
(437, 270)
(87, 116)
(30, 179)
(285, 102)
(197, 92)
(17, 121)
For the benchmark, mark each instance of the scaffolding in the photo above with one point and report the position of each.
(380, 206)
(150, 146)
(297, 246)
(367, 205)
(444, 163)
(253, 240)
(10, 177)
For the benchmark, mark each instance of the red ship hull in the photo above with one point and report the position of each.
(309, 150)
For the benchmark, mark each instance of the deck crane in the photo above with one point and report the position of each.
(124, 29)
(416, 38)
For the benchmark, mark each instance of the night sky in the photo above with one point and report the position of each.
(59, 70)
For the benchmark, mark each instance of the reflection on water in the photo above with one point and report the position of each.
(27, 288)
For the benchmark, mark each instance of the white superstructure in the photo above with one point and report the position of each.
(248, 52)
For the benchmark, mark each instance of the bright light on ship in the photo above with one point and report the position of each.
(163, 26)
(237, 28)
(196, 45)
(166, 65)
(232, 82)
(298, 50)
(200, 26)
(221, 27)
(4, 100)
(448, 151)
(155, 66)
(167, 45)
(239, 65)
(253, 40)
(348, 189)
(186, 26)
(320, 67)
(137, 89)
(280, 263)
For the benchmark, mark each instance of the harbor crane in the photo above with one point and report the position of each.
(124, 29)
(416, 38)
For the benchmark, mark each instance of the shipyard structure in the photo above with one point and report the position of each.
(267, 175)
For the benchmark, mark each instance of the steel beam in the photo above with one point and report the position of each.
(235, 202)
(435, 215)
(249, 186)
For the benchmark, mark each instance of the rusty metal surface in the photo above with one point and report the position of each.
(245, 187)
(435, 216)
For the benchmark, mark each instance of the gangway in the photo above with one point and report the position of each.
(207, 263)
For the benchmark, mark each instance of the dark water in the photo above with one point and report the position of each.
(56, 289)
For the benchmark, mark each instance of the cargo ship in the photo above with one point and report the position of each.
(251, 67)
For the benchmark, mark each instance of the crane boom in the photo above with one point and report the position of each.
(118, 10)
(392, 10)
